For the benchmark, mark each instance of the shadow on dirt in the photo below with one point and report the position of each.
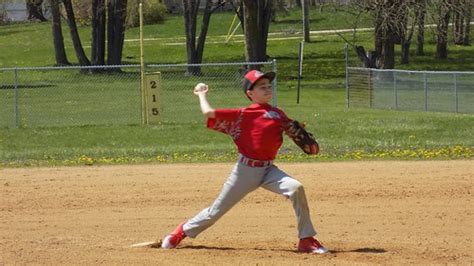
(358, 250)
(228, 248)
(207, 247)
(361, 250)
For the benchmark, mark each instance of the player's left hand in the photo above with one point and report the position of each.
(305, 140)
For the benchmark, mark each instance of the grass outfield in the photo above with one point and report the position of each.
(343, 134)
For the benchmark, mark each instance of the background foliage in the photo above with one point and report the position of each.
(343, 133)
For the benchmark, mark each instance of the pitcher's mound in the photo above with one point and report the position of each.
(152, 244)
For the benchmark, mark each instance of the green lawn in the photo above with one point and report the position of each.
(343, 133)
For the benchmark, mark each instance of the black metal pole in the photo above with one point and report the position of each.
(300, 71)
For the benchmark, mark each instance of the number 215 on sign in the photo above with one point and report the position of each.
(153, 92)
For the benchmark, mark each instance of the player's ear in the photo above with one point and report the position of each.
(249, 93)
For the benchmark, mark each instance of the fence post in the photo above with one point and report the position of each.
(371, 87)
(346, 54)
(275, 84)
(425, 88)
(142, 68)
(300, 70)
(456, 99)
(17, 100)
(395, 89)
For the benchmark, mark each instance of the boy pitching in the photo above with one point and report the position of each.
(257, 131)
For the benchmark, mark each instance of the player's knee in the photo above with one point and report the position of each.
(296, 188)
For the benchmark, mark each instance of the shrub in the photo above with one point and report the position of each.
(82, 11)
(3, 15)
(154, 11)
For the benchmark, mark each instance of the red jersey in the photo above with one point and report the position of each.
(256, 130)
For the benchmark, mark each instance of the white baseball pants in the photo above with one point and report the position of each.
(245, 179)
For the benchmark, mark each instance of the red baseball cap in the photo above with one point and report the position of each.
(253, 76)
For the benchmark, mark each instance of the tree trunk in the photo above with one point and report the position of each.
(265, 8)
(76, 40)
(117, 14)
(256, 23)
(442, 31)
(467, 28)
(98, 32)
(386, 29)
(406, 33)
(378, 32)
(458, 22)
(368, 59)
(133, 14)
(387, 59)
(405, 53)
(239, 11)
(58, 40)
(195, 52)
(420, 11)
(190, 9)
(252, 35)
(34, 10)
(305, 7)
(282, 5)
(204, 28)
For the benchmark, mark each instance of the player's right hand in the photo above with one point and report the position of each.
(201, 88)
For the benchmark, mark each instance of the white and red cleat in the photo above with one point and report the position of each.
(311, 245)
(172, 240)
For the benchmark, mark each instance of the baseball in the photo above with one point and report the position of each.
(200, 87)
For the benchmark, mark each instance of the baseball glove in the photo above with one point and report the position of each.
(305, 140)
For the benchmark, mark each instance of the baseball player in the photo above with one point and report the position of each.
(257, 131)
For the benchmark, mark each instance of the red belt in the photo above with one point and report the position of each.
(255, 163)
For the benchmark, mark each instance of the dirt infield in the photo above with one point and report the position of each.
(365, 212)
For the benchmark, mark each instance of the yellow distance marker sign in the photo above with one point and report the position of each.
(153, 97)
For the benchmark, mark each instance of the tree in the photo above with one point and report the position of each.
(280, 5)
(305, 7)
(195, 52)
(34, 10)
(388, 23)
(409, 17)
(386, 30)
(58, 40)
(420, 13)
(117, 14)
(458, 22)
(76, 40)
(467, 29)
(257, 14)
(394, 24)
(378, 30)
(133, 15)
(115, 28)
(98, 32)
(239, 11)
(190, 9)
(444, 9)
(462, 20)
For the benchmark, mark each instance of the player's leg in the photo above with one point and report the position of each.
(280, 182)
(242, 180)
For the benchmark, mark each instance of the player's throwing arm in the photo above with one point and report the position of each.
(201, 91)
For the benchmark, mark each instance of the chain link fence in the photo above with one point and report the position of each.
(410, 90)
(111, 95)
(436, 91)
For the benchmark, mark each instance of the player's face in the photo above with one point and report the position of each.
(261, 92)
